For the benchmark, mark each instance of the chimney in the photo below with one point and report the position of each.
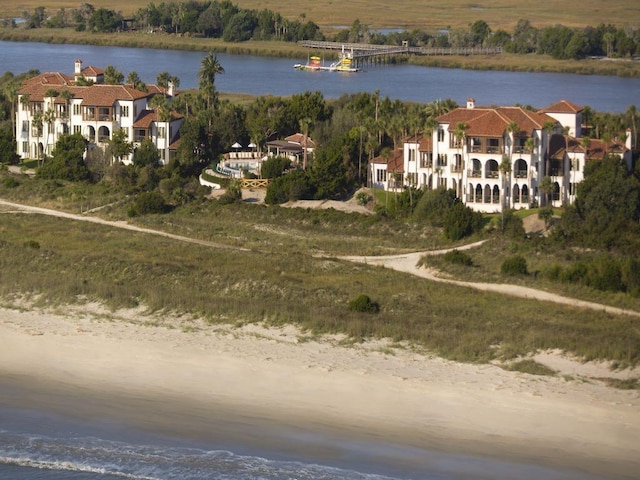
(78, 68)
(627, 142)
(170, 89)
(471, 103)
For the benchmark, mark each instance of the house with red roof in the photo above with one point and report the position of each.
(53, 104)
(497, 157)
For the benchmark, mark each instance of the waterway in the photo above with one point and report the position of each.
(276, 76)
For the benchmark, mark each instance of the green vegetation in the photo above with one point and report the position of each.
(456, 257)
(531, 367)
(516, 265)
(364, 304)
(264, 263)
(221, 26)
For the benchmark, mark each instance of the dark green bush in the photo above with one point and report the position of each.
(457, 257)
(146, 203)
(10, 182)
(460, 221)
(516, 265)
(31, 244)
(364, 304)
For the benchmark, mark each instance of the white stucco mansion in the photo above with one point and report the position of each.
(469, 144)
(52, 104)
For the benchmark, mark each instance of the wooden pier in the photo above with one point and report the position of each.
(362, 51)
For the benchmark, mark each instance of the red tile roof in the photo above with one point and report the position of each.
(107, 95)
(563, 106)
(92, 71)
(494, 121)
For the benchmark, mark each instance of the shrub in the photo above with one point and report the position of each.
(531, 367)
(233, 193)
(516, 265)
(10, 182)
(146, 203)
(363, 198)
(457, 257)
(460, 221)
(433, 206)
(364, 304)
(31, 244)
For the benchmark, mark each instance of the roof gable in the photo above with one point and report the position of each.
(563, 106)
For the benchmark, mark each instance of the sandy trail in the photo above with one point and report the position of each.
(407, 263)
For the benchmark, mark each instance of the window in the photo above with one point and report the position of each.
(25, 126)
(25, 147)
(381, 175)
(440, 135)
(76, 109)
(124, 110)
(442, 160)
(77, 129)
(161, 132)
(50, 128)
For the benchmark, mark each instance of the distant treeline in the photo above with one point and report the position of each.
(214, 19)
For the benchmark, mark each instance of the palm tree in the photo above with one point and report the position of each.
(505, 170)
(162, 80)
(430, 126)
(37, 124)
(460, 133)
(209, 68)
(304, 126)
(513, 129)
(11, 92)
(548, 127)
(49, 118)
(633, 115)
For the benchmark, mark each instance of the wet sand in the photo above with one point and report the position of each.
(274, 391)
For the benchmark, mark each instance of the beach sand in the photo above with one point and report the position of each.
(276, 387)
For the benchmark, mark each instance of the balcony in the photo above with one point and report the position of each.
(475, 173)
(520, 174)
(491, 174)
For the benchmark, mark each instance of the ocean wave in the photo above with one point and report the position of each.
(148, 462)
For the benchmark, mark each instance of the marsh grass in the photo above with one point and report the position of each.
(404, 13)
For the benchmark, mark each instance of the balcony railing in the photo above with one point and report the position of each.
(520, 174)
(456, 168)
(491, 174)
(475, 173)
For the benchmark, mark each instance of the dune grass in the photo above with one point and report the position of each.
(424, 14)
(289, 274)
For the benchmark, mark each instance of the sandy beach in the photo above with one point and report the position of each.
(172, 374)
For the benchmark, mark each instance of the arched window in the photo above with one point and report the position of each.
(91, 134)
(476, 168)
(520, 168)
(556, 191)
(478, 193)
(470, 193)
(525, 194)
(516, 193)
(103, 134)
(496, 194)
(491, 169)
(487, 194)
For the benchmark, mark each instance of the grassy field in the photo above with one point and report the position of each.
(428, 15)
(287, 272)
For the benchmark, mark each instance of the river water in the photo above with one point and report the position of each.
(276, 76)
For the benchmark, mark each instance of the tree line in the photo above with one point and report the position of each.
(223, 19)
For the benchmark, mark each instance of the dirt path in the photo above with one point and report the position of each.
(123, 225)
(407, 263)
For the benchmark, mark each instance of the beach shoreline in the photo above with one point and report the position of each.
(275, 388)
